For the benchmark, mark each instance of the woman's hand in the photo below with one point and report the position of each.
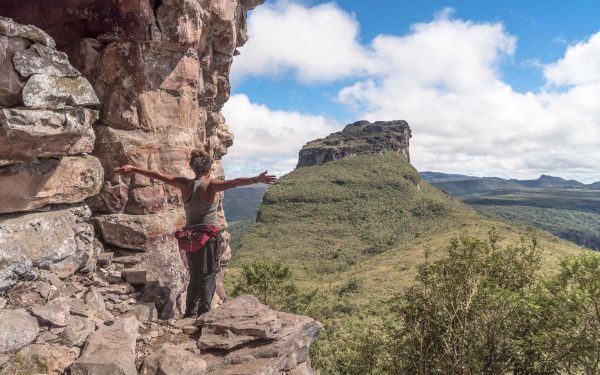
(266, 179)
(125, 169)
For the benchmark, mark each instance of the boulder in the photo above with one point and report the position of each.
(26, 134)
(39, 59)
(151, 199)
(45, 240)
(237, 322)
(128, 258)
(120, 109)
(139, 232)
(18, 329)
(172, 360)
(109, 350)
(48, 91)
(186, 322)
(54, 313)
(175, 72)
(287, 352)
(92, 262)
(27, 186)
(11, 28)
(41, 358)
(77, 331)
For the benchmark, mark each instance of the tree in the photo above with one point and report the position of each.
(571, 316)
(470, 312)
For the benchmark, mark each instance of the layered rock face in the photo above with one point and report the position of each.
(157, 73)
(88, 263)
(47, 109)
(361, 137)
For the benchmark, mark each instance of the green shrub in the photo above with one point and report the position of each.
(486, 310)
(271, 283)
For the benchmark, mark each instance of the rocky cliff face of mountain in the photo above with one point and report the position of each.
(84, 88)
(361, 137)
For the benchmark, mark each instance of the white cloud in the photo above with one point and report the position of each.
(268, 139)
(315, 44)
(580, 65)
(443, 77)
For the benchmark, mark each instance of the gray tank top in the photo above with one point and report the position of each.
(198, 212)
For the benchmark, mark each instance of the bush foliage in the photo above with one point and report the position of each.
(480, 309)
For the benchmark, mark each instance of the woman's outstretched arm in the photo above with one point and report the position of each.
(181, 183)
(222, 185)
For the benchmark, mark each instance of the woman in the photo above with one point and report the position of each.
(200, 204)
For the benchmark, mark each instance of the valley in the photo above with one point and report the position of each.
(347, 236)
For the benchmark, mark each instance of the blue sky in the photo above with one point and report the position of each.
(287, 82)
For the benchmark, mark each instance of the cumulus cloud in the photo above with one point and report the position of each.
(314, 44)
(580, 65)
(444, 78)
(268, 139)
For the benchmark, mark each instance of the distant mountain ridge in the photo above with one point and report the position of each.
(567, 208)
(458, 184)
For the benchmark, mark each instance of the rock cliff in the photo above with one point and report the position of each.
(87, 258)
(121, 82)
(361, 137)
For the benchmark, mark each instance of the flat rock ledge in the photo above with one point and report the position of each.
(238, 322)
(244, 336)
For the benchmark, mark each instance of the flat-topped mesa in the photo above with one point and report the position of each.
(361, 137)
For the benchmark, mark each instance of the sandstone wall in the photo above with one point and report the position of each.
(47, 109)
(159, 70)
(87, 256)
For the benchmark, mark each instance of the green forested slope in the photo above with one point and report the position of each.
(368, 217)
(353, 232)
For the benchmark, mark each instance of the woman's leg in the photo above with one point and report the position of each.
(207, 288)
(193, 288)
